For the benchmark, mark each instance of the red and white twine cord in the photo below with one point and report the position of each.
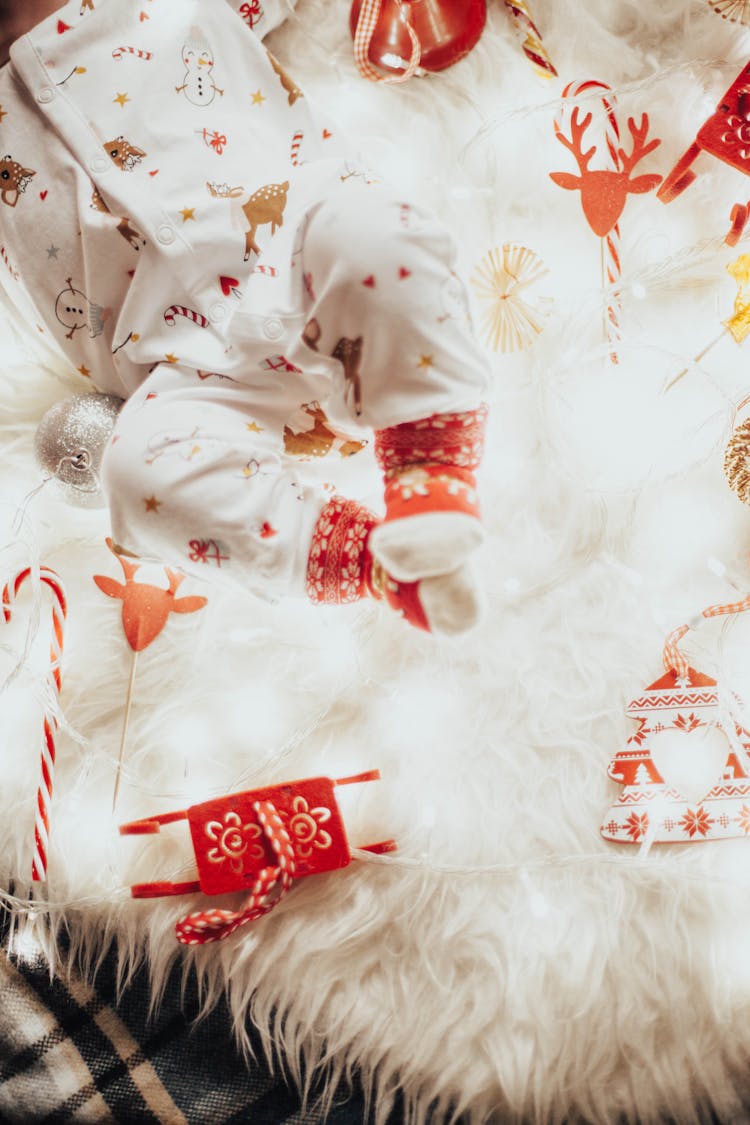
(532, 45)
(214, 925)
(611, 265)
(673, 658)
(369, 14)
(44, 792)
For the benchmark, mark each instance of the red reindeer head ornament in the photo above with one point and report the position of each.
(145, 607)
(604, 192)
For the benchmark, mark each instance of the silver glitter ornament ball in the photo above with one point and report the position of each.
(70, 443)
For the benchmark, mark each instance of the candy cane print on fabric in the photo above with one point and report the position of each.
(171, 314)
(44, 791)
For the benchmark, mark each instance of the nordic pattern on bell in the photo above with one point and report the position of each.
(54, 682)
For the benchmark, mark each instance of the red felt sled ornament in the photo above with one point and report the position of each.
(725, 135)
(259, 840)
(654, 807)
(393, 39)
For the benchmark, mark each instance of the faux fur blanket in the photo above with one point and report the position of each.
(507, 962)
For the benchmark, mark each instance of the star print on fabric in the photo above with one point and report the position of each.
(187, 213)
(170, 358)
(52, 251)
(254, 428)
(83, 369)
(152, 504)
(3, 113)
(121, 99)
(426, 361)
(258, 98)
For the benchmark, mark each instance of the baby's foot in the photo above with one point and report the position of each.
(427, 542)
(431, 523)
(445, 604)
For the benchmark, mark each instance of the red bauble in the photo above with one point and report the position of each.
(447, 30)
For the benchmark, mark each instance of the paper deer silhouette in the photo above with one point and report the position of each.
(145, 608)
(725, 135)
(266, 205)
(604, 192)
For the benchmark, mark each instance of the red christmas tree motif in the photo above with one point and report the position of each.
(650, 809)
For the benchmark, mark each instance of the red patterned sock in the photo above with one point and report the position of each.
(341, 569)
(431, 520)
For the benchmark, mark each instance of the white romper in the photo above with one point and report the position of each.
(180, 221)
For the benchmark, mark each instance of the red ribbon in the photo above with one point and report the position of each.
(251, 12)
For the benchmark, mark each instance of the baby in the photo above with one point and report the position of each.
(178, 219)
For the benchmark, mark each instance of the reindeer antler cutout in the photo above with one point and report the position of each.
(604, 191)
(145, 611)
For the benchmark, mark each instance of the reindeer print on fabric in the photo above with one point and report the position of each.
(123, 154)
(130, 234)
(266, 205)
(319, 439)
(286, 80)
(197, 85)
(75, 311)
(14, 179)
(349, 354)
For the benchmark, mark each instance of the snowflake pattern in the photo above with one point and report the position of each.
(743, 819)
(232, 841)
(696, 822)
(636, 826)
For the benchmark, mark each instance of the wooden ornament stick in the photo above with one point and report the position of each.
(126, 721)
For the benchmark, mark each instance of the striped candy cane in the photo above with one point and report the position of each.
(610, 244)
(296, 142)
(532, 45)
(44, 792)
(215, 925)
(369, 14)
(171, 314)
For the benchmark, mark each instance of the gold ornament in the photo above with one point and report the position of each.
(509, 322)
(736, 10)
(737, 461)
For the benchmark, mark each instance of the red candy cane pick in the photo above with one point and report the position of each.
(44, 792)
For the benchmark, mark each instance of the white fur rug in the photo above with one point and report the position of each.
(506, 962)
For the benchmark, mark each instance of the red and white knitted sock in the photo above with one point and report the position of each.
(431, 523)
(341, 569)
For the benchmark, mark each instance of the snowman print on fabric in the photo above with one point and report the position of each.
(74, 310)
(198, 86)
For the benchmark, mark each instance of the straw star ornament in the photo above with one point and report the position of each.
(509, 322)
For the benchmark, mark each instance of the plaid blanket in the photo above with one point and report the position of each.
(70, 1052)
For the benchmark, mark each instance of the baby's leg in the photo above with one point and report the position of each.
(195, 479)
(385, 300)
